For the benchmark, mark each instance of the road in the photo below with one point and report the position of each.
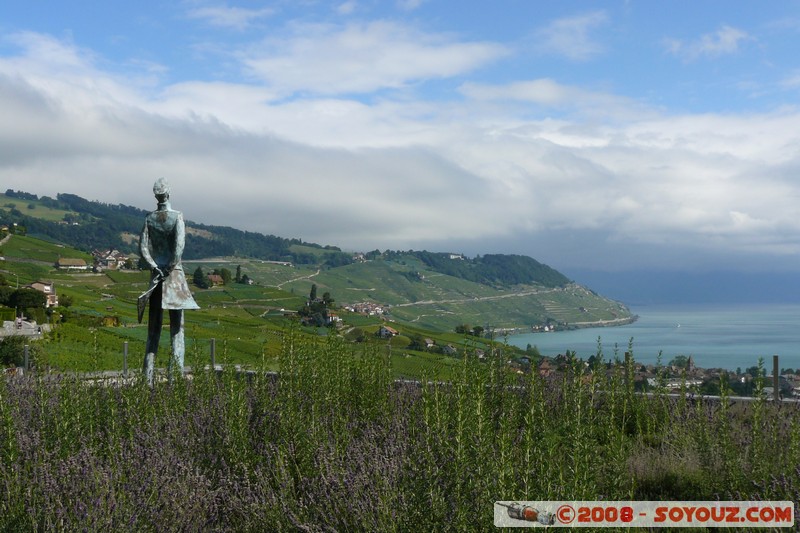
(478, 298)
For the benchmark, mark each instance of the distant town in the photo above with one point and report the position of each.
(679, 374)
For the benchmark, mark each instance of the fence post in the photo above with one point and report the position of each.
(776, 381)
(26, 357)
(213, 354)
(125, 359)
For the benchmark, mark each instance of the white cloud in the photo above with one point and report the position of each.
(404, 173)
(346, 8)
(550, 94)
(791, 82)
(362, 58)
(236, 18)
(724, 41)
(571, 37)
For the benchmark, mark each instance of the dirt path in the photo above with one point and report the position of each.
(478, 298)
(280, 285)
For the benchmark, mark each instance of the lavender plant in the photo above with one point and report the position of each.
(332, 443)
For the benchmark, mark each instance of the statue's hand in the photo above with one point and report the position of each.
(159, 273)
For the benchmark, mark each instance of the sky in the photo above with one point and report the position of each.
(593, 136)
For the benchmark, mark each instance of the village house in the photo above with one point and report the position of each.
(385, 332)
(49, 290)
(69, 263)
(449, 350)
(333, 318)
(546, 367)
(215, 280)
(109, 259)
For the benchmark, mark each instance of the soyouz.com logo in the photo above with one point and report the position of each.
(748, 514)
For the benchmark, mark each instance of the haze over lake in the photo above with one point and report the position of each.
(716, 336)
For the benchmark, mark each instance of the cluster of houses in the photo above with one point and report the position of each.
(671, 377)
(367, 309)
(102, 260)
(110, 259)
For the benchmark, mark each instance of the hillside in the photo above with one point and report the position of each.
(429, 289)
(416, 294)
(97, 314)
(88, 225)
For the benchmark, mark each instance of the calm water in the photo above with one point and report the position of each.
(721, 336)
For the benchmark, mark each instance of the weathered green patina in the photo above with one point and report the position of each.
(161, 246)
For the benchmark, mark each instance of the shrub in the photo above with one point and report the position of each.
(12, 351)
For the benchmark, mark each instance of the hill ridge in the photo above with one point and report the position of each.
(502, 289)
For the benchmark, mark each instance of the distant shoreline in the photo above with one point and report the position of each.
(604, 323)
(716, 336)
(571, 326)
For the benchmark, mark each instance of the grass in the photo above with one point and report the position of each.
(237, 316)
(30, 248)
(333, 444)
(32, 208)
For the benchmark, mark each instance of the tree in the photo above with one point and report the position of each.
(477, 331)
(680, 361)
(711, 387)
(199, 278)
(313, 294)
(238, 277)
(225, 274)
(27, 298)
(5, 295)
(12, 351)
(463, 329)
(65, 300)
(417, 343)
(533, 351)
(316, 312)
(327, 299)
(755, 371)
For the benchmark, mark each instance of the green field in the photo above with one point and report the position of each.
(247, 322)
(33, 208)
(31, 249)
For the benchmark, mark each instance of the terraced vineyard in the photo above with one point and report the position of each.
(420, 296)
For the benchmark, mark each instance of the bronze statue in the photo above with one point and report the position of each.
(161, 246)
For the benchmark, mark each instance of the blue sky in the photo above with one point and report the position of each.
(589, 135)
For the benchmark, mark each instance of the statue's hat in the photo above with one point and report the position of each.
(161, 186)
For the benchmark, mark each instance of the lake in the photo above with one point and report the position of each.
(716, 336)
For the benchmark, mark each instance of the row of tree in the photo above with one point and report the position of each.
(200, 278)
